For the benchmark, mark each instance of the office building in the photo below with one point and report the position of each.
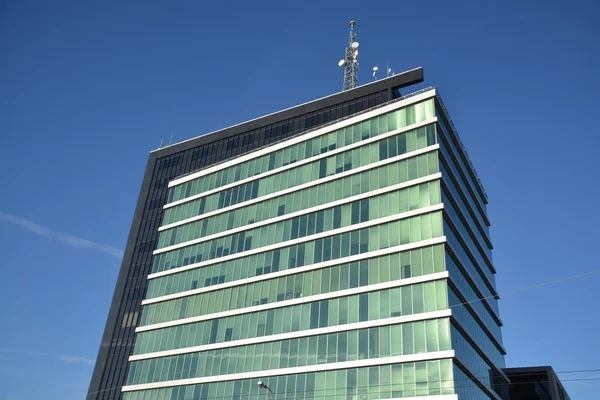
(326, 250)
(535, 383)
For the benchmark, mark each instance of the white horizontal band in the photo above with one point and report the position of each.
(436, 355)
(300, 163)
(299, 270)
(391, 218)
(293, 335)
(307, 185)
(285, 217)
(303, 186)
(300, 300)
(299, 139)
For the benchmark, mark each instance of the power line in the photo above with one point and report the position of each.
(480, 299)
(531, 287)
(557, 281)
(414, 384)
(579, 371)
(466, 302)
(414, 388)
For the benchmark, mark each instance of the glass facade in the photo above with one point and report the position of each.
(300, 285)
(310, 149)
(167, 164)
(466, 388)
(425, 378)
(369, 306)
(343, 276)
(476, 326)
(312, 223)
(384, 149)
(336, 264)
(369, 343)
(370, 180)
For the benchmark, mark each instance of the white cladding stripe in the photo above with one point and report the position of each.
(325, 206)
(318, 132)
(299, 270)
(293, 335)
(298, 188)
(379, 221)
(300, 163)
(391, 218)
(437, 355)
(300, 300)
(436, 397)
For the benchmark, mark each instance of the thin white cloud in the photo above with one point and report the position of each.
(61, 357)
(81, 360)
(65, 238)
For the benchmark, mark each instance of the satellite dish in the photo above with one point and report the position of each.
(355, 45)
(375, 69)
(341, 63)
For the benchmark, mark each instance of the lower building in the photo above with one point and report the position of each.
(535, 383)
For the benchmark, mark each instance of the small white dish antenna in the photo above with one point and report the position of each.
(375, 69)
(341, 63)
(355, 45)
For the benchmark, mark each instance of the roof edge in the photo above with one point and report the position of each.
(401, 80)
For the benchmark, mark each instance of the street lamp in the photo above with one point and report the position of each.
(262, 385)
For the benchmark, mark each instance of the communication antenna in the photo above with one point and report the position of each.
(389, 71)
(350, 61)
(375, 69)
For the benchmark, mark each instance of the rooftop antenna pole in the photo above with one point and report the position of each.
(350, 61)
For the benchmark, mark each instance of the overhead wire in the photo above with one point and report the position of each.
(413, 385)
(473, 301)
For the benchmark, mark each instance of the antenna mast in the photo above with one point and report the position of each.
(350, 61)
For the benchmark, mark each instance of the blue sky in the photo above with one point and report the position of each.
(89, 88)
